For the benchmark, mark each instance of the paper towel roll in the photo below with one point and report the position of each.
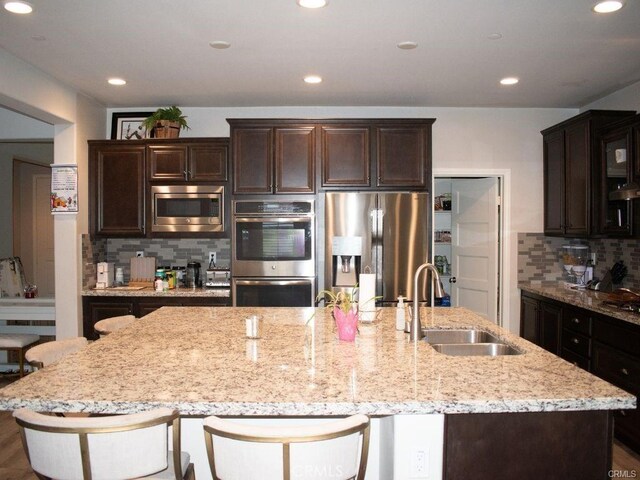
(366, 296)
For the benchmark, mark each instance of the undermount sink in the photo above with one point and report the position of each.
(435, 336)
(475, 349)
(467, 343)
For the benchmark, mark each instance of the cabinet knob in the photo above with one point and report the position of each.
(273, 267)
(575, 320)
(624, 371)
(623, 413)
(575, 364)
(575, 340)
(453, 280)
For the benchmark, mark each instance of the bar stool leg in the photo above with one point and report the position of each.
(21, 361)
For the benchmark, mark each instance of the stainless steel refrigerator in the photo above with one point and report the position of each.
(387, 232)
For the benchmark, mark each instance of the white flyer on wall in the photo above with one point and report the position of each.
(64, 188)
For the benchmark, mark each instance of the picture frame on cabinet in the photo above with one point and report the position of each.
(128, 125)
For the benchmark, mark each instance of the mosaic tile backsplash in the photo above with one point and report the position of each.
(167, 251)
(539, 257)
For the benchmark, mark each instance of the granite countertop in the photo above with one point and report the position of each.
(150, 292)
(197, 359)
(583, 298)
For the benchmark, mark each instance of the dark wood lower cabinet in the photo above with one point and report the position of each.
(99, 308)
(528, 446)
(605, 346)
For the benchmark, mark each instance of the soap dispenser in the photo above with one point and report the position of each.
(400, 314)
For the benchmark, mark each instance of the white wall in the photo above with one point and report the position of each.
(478, 139)
(627, 98)
(75, 119)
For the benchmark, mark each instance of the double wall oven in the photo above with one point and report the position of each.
(273, 254)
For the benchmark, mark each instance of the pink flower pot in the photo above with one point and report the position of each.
(347, 324)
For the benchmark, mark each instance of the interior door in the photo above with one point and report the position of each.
(475, 240)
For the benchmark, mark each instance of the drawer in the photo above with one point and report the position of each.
(616, 367)
(577, 321)
(618, 334)
(576, 342)
(577, 360)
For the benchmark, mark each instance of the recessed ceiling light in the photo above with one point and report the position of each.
(313, 79)
(509, 81)
(18, 7)
(608, 7)
(117, 81)
(494, 36)
(219, 44)
(312, 3)
(407, 45)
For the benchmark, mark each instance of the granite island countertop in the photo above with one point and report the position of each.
(197, 359)
(580, 297)
(150, 292)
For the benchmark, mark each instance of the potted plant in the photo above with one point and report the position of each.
(166, 122)
(344, 310)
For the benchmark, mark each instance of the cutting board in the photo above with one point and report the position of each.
(143, 270)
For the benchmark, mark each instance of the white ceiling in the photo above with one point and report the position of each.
(564, 54)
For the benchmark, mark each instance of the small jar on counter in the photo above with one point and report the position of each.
(158, 284)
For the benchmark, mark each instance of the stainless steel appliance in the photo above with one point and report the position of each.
(273, 292)
(387, 232)
(273, 252)
(217, 277)
(187, 208)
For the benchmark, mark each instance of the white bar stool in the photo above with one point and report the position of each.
(105, 448)
(110, 325)
(336, 450)
(50, 352)
(18, 342)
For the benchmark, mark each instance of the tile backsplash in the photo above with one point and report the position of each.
(167, 251)
(539, 257)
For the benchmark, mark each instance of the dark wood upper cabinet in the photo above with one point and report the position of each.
(346, 160)
(122, 171)
(403, 156)
(188, 162)
(117, 187)
(553, 154)
(295, 153)
(268, 156)
(571, 152)
(252, 159)
(291, 155)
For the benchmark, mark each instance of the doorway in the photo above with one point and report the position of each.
(468, 242)
(33, 238)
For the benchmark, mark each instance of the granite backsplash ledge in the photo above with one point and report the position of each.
(167, 251)
(539, 257)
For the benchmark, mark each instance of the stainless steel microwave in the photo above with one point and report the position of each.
(187, 208)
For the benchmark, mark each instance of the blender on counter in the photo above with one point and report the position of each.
(575, 260)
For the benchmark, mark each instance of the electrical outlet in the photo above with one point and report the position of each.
(594, 258)
(139, 253)
(419, 462)
(212, 258)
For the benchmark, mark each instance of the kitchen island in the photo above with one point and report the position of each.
(197, 359)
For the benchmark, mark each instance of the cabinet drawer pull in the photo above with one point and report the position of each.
(575, 320)
(575, 340)
(623, 413)
(624, 371)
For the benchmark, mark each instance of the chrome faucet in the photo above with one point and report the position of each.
(415, 332)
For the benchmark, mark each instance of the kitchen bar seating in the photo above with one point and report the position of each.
(110, 325)
(108, 448)
(338, 449)
(50, 352)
